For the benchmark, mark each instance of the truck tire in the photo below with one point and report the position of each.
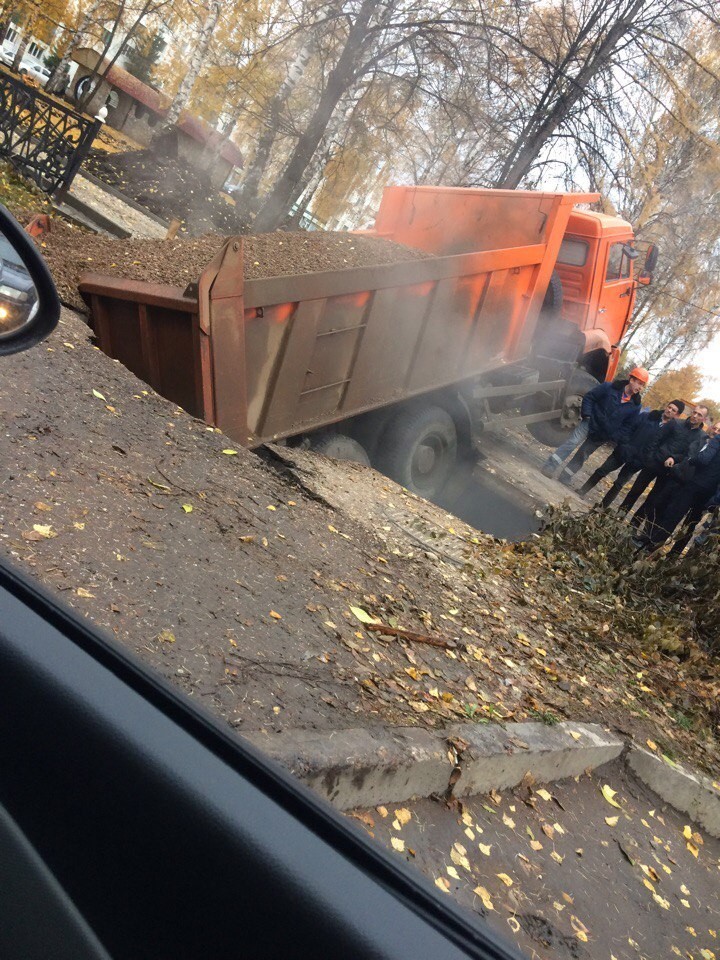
(552, 432)
(553, 300)
(339, 446)
(419, 449)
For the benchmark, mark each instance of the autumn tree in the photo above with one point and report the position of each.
(682, 384)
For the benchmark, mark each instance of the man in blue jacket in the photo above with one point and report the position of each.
(689, 498)
(607, 414)
(651, 442)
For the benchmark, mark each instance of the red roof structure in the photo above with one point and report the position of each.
(159, 103)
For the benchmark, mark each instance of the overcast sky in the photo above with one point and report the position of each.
(709, 363)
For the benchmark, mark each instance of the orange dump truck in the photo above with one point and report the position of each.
(516, 313)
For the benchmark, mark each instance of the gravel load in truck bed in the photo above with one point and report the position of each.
(71, 251)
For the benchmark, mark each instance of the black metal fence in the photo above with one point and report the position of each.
(43, 138)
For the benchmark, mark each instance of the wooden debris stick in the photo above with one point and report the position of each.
(410, 635)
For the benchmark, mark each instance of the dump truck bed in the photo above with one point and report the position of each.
(272, 358)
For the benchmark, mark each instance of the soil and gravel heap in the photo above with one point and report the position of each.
(71, 251)
(168, 187)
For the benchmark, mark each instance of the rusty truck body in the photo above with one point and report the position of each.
(516, 313)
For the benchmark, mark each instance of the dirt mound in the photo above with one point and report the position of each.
(168, 187)
(71, 251)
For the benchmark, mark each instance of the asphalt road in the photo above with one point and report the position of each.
(566, 874)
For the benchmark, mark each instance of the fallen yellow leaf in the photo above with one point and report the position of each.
(544, 794)
(485, 848)
(82, 592)
(459, 858)
(651, 744)
(453, 873)
(362, 615)
(166, 636)
(485, 897)
(610, 794)
(508, 821)
(230, 453)
(557, 857)
(505, 879)
(574, 734)
(275, 615)
(187, 507)
(398, 844)
(692, 848)
(443, 884)
(403, 815)
(687, 832)
(96, 393)
(611, 821)
(45, 530)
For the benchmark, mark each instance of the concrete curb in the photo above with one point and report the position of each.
(689, 792)
(364, 768)
(368, 767)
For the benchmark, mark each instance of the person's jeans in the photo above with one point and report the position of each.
(568, 447)
(586, 449)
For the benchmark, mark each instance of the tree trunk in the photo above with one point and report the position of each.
(96, 74)
(181, 98)
(567, 92)
(61, 68)
(248, 193)
(24, 41)
(289, 184)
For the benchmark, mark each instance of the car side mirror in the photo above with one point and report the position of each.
(29, 304)
(651, 259)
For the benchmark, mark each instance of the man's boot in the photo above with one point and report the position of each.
(550, 467)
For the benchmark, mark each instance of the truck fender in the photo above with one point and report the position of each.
(596, 353)
(596, 339)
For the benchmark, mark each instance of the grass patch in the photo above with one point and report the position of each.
(20, 196)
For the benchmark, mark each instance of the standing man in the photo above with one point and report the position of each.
(606, 415)
(689, 498)
(687, 440)
(651, 442)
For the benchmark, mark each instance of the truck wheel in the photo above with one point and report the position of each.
(419, 449)
(554, 432)
(341, 447)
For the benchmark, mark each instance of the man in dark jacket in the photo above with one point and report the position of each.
(651, 441)
(687, 439)
(606, 413)
(679, 499)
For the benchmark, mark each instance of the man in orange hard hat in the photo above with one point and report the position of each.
(607, 415)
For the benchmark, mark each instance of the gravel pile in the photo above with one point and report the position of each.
(71, 251)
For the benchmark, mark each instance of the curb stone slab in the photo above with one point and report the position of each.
(360, 767)
(689, 792)
(364, 768)
(499, 757)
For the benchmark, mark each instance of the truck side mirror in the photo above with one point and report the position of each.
(29, 304)
(651, 259)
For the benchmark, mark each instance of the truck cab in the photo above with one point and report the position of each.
(596, 266)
